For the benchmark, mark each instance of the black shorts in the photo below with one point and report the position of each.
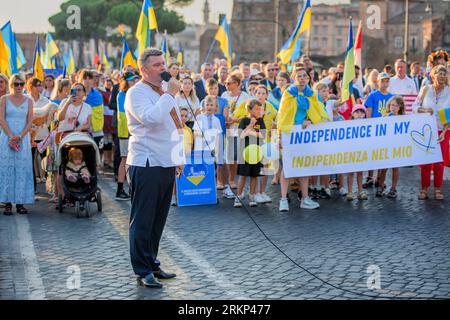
(249, 170)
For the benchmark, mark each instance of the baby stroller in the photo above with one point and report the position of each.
(79, 195)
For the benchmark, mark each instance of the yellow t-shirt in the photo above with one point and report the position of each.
(188, 139)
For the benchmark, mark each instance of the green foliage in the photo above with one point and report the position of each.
(97, 15)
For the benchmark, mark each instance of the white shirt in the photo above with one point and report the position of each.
(234, 103)
(40, 109)
(187, 103)
(68, 124)
(154, 137)
(430, 100)
(212, 132)
(402, 86)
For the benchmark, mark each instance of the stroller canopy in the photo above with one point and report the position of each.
(77, 139)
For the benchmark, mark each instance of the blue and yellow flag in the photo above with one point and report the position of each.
(127, 56)
(291, 45)
(444, 115)
(95, 100)
(105, 61)
(147, 22)
(51, 50)
(10, 46)
(180, 55)
(69, 62)
(38, 72)
(349, 68)
(165, 49)
(4, 59)
(223, 37)
(21, 59)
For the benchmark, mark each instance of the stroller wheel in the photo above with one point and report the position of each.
(78, 209)
(98, 196)
(86, 209)
(60, 203)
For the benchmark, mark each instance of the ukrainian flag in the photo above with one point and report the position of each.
(223, 37)
(105, 61)
(95, 100)
(69, 62)
(10, 46)
(4, 64)
(165, 49)
(122, 126)
(297, 106)
(147, 22)
(127, 56)
(180, 56)
(21, 59)
(444, 116)
(292, 44)
(38, 72)
(349, 69)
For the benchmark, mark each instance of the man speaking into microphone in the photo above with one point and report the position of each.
(152, 117)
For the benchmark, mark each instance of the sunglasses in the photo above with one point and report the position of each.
(19, 84)
(228, 83)
(273, 69)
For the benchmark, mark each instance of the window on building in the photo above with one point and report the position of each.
(325, 29)
(316, 29)
(315, 43)
(338, 43)
(413, 41)
(324, 42)
(398, 42)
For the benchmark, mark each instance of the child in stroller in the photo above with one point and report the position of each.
(76, 169)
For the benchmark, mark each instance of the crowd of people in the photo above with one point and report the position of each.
(219, 108)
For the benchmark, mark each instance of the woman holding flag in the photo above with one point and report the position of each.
(299, 106)
(435, 100)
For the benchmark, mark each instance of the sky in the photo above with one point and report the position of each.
(32, 15)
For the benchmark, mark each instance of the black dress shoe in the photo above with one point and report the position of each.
(160, 274)
(149, 281)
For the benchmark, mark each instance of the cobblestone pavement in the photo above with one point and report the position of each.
(219, 253)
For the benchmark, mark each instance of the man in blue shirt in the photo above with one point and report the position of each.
(377, 100)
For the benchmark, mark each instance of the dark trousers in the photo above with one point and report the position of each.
(117, 157)
(151, 192)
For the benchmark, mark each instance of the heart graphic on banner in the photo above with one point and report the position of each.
(423, 139)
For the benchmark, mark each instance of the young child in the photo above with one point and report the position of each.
(208, 130)
(251, 126)
(394, 107)
(76, 168)
(358, 112)
(187, 145)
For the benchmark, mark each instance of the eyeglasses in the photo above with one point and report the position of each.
(228, 83)
(19, 84)
(273, 69)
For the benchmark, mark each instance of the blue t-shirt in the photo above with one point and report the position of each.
(377, 102)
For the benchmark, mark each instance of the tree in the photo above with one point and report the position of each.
(97, 15)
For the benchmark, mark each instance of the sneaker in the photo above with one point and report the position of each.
(350, 196)
(237, 203)
(362, 195)
(122, 196)
(308, 203)
(379, 192)
(173, 202)
(259, 198)
(342, 191)
(392, 193)
(266, 197)
(227, 193)
(284, 205)
(252, 200)
(368, 183)
(323, 194)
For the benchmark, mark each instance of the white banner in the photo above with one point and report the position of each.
(361, 145)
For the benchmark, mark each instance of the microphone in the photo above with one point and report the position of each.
(165, 76)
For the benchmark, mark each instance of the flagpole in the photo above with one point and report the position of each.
(210, 49)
